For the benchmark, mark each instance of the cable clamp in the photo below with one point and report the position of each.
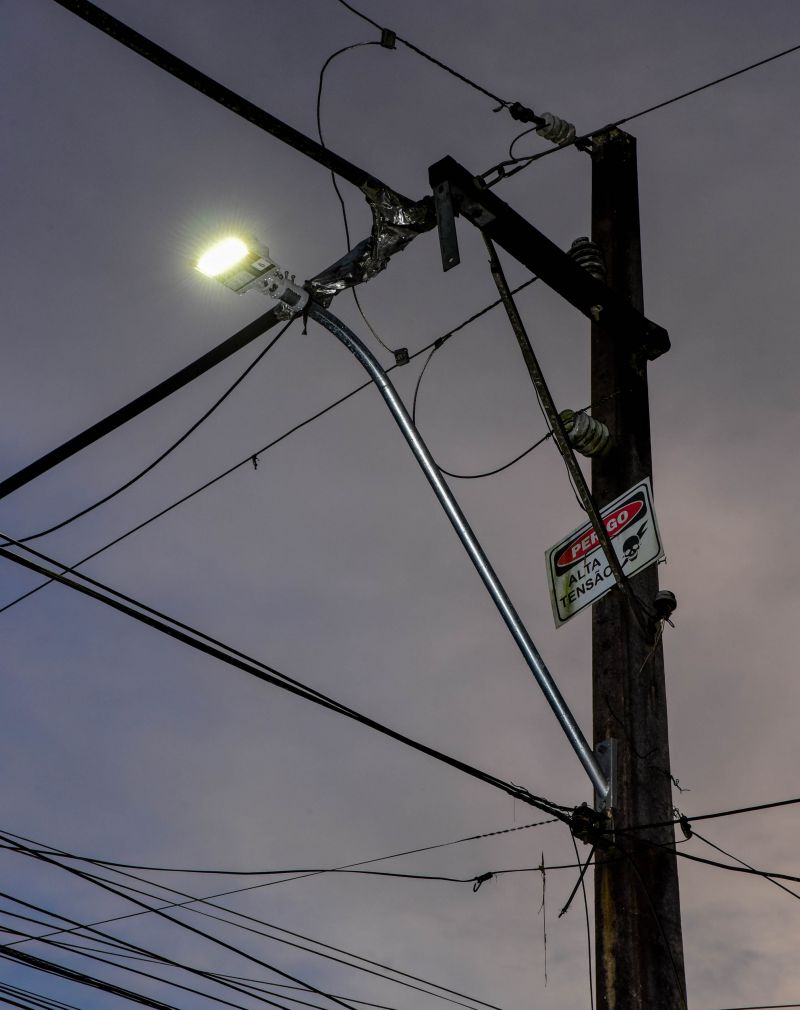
(686, 827)
(481, 880)
(388, 38)
(523, 114)
(401, 356)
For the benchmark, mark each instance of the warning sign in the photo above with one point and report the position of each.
(577, 571)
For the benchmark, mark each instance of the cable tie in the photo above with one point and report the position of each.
(254, 461)
(401, 356)
(388, 38)
(686, 827)
(481, 880)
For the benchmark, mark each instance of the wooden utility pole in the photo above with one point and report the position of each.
(639, 948)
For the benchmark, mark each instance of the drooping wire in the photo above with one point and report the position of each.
(260, 452)
(588, 927)
(170, 449)
(345, 49)
(111, 864)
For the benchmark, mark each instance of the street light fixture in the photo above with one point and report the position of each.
(295, 299)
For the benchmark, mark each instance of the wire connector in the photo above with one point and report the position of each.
(388, 38)
(523, 114)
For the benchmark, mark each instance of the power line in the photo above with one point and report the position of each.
(258, 873)
(777, 883)
(99, 881)
(707, 817)
(170, 449)
(259, 452)
(442, 66)
(153, 396)
(203, 643)
(217, 92)
(168, 918)
(523, 162)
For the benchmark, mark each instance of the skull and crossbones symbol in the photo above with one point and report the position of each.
(630, 547)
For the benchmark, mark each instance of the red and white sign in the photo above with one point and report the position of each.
(578, 573)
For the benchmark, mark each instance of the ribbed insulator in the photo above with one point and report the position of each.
(587, 254)
(587, 436)
(556, 130)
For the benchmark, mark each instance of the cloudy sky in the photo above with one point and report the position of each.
(332, 560)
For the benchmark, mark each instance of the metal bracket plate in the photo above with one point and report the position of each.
(606, 754)
(446, 221)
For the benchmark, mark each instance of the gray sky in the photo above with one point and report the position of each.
(332, 560)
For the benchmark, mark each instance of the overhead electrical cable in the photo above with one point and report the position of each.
(770, 877)
(501, 170)
(170, 449)
(92, 928)
(516, 110)
(153, 396)
(100, 861)
(707, 817)
(72, 871)
(203, 643)
(260, 452)
(217, 92)
(213, 977)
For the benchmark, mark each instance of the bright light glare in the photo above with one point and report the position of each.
(222, 257)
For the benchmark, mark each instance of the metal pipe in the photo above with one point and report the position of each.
(469, 540)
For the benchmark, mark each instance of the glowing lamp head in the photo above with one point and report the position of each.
(237, 263)
(222, 257)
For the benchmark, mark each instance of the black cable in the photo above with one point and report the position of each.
(99, 861)
(777, 883)
(708, 817)
(582, 141)
(344, 49)
(431, 59)
(6, 987)
(116, 990)
(259, 452)
(76, 976)
(588, 927)
(203, 643)
(199, 81)
(92, 878)
(177, 922)
(153, 396)
(170, 449)
(766, 874)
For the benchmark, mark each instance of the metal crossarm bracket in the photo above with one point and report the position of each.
(534, 250)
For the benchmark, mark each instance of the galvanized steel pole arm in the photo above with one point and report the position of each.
(469, 540)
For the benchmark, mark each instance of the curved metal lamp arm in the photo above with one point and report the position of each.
(470, 542)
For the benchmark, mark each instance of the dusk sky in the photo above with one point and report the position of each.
(331, 559)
